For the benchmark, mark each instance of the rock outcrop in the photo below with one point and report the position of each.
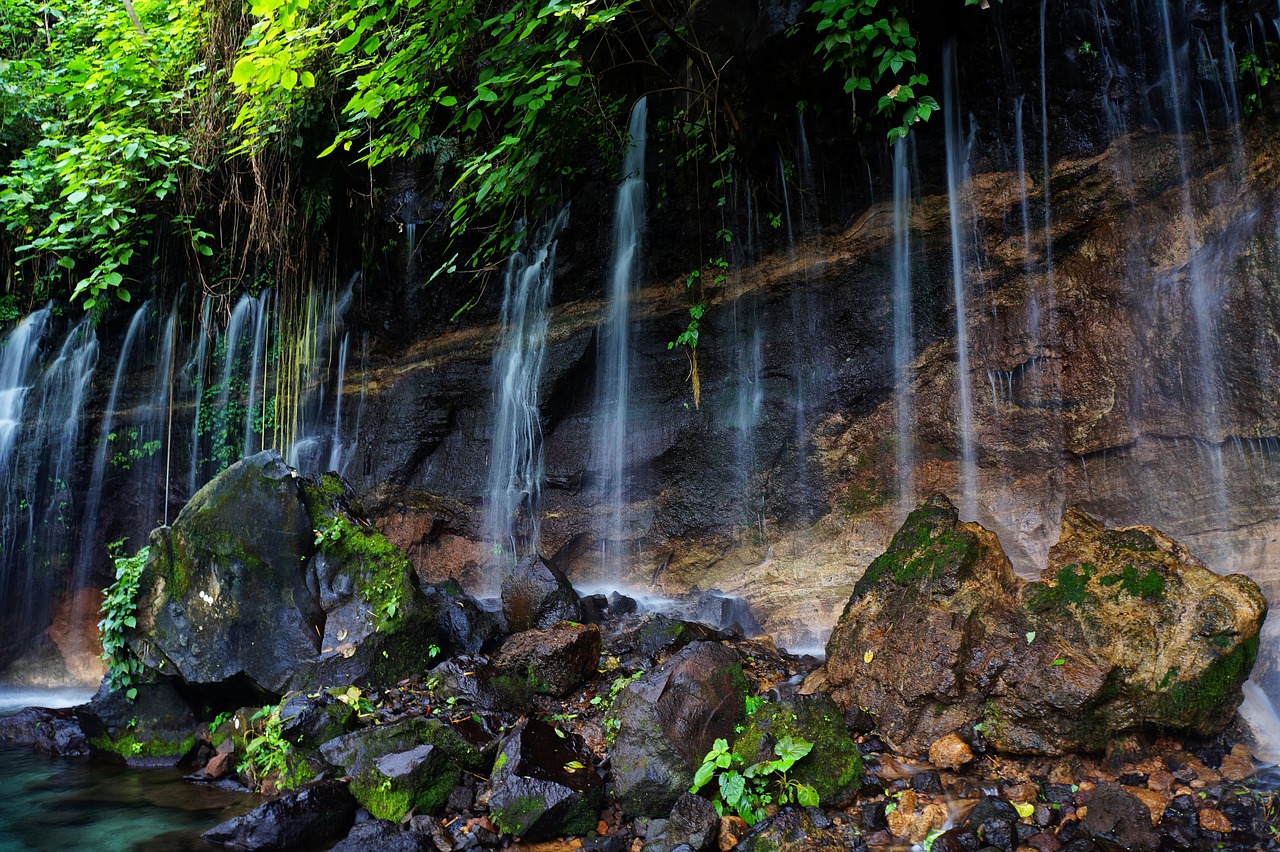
(1125, 629)
(272, 582)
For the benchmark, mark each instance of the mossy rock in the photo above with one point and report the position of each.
(834, 766)
(418, 779)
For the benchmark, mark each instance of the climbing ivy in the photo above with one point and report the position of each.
(118, 607)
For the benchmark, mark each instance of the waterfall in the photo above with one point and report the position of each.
(20, 351)
(257, 354)
(317, 444)
(89, 553)
(202, 333)
(903, 342)
(957, 175)
(613, 375)
(511, 508)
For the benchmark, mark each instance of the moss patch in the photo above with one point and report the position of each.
(927, 545)
(834, 766)
(128, 746)
(1203, 700)
(1148, 586)
(1068, 587)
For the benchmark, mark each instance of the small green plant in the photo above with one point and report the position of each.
(748, 792)
(611, 724)
(218, 721)
(119, 605)
(266, 751)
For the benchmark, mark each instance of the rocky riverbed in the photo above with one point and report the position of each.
(958, 707)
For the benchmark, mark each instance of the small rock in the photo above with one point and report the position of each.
(1044, 842)
(1215, 820)
(552, 661)
(1154, 801)
(926, 781)
(1160, 781)
(731, 830)
(536, 595)
(1022, 793)
(1116, 815)
(309, 816)
(220, 766)
(620, 604)
(693, 823)
(950, 752)
(430, 828)
(544, 783)
(794, 830)
(381, 835)
(1237, 765)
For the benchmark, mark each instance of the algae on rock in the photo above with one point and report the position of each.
(1125, 629)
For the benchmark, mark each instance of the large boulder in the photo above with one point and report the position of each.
(1125, 629)
(53, 731)
(668, 720)
(273, 582)
(833, 767)
(544, 783)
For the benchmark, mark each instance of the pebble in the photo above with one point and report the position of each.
(1238, 765)
(950, 752)
(731, 830)
(1215, 820)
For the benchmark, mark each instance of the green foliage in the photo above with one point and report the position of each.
(605, 703)
(507, 84)
(268, 754)
(1259, 72)
(120, 602)
(873, 45)
(748, 792)
(100, 133)
(130, 450)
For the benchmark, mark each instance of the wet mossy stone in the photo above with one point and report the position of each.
(414, 778)
(467, 626)
(1124, 630)
(554, 661)
(273, 582)
(544, 783)
(833, 767)
(157, 728)
(668, 720)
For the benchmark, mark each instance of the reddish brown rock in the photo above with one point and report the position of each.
(1215, 820)
(1124, 630)
(950, 752)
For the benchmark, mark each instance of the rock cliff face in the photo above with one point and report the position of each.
(1124, 630)
(1088, 380)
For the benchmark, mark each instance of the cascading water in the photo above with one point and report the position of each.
(957, 176)
(90, 551)
(512, 514)
(317, 444)
(203, 333)
(613, 375)
(903, 337)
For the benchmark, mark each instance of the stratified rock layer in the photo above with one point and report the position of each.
(1125, 629)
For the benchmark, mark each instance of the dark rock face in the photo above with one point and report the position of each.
(553, 661)
(536, 595)
(477, 684)
(270, 578)
(667, 722)
(158, 728)
(309, 816)
(393, 768)
(1125, 629)
(55, 732)
(544, 783)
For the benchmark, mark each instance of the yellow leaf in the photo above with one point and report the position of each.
(1024, 809)
(869, 656)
